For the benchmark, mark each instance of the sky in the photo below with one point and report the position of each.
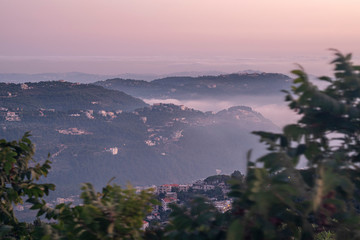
(163, 36)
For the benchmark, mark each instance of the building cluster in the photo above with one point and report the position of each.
(168, 194)
(73, 131)
(12, 117)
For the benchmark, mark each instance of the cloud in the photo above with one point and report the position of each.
(276, 111)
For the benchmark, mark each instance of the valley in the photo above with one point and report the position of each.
(93, 134)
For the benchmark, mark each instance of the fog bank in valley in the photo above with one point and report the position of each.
(272, 107)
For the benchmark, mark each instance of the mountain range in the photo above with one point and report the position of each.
(94, 134)
(221, 86)
(90, 78)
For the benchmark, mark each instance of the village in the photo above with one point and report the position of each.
(214, 188)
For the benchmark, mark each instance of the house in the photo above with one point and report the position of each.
(223, 206)
(165, 202)
(12, 116)
(184, 187)
(145, 225)
(171, 194)
(166, 188)
(198, 185)
(207, 187)
(151, 189)
(114, 150)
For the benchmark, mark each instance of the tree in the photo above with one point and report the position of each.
(280, 201)
(276, 199)
(17, 182)
(115, 213)
(201, 221)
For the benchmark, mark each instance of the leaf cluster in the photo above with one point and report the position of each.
(18, 173)
(282, 201)
(115, 213)
(307, 185)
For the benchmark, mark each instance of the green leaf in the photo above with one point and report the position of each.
(294, 132)
(5, 229)
(236, 230)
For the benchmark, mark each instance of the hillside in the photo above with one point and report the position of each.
(64, 96)
(202, 87)
(82, 77)
(158, 144)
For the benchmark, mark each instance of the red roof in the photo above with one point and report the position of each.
(169, 200)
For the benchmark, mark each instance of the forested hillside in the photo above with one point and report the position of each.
(221, 86)
(64, 96)
(91, 138)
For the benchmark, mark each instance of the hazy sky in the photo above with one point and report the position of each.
(169, 30)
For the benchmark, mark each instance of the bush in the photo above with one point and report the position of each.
(115, 213)
(280, 201)
(17, 182)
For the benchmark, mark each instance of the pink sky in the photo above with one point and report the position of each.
(178, 28)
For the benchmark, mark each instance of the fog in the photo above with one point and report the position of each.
(273, 108)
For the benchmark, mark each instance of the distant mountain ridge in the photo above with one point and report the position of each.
(91, 78)
(64, 96)
(67, 76)
(92, 142)
(236, 84)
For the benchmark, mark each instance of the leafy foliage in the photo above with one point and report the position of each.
(17, 182)
(279, 200)
(201, 221)
(115, 213)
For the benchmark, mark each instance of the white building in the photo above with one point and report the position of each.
(184, 187)
(166, 188)
(145, 225)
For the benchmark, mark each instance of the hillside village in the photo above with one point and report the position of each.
(214, 188)
(94, 133)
